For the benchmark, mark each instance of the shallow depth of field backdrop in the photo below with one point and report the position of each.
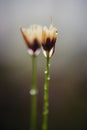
(68, 72)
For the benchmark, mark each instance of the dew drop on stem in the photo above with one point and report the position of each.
(48, 78)
(33, 92)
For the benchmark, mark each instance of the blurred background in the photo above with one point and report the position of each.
(68, 71)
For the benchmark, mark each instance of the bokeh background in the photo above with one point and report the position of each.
(68, 72)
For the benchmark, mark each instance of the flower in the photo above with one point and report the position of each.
(49, 36)
(33, 38)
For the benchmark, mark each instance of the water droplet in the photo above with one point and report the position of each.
(45, 88)
(49, 64)
(45, 112)
(45, 72)
(48, 78)
(33, 92)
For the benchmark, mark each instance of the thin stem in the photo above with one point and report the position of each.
(46, 102)
(33, 93)
(34, 67)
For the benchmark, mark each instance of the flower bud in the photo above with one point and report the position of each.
(33, 38)
(49, 36)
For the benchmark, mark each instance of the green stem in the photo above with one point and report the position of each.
(33, 93)
(46, 102)
(34, 67)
